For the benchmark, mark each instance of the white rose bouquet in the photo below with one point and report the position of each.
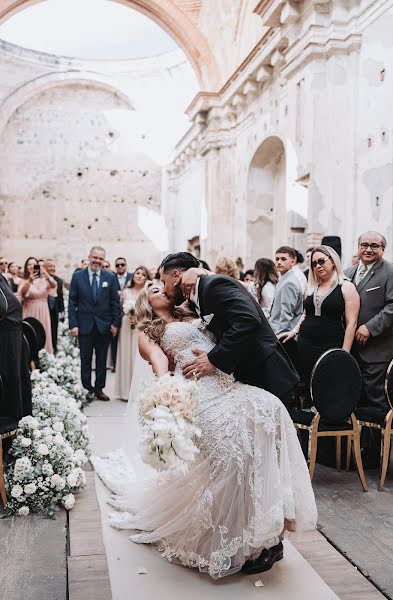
(167, 413)
(128, 307)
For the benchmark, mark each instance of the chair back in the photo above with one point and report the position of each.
(30, 335)
(39, 331)
(389, 384)
(336, 385)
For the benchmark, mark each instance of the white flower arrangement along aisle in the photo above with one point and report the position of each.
(52, 445)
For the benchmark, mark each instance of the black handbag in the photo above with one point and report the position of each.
(3, 304)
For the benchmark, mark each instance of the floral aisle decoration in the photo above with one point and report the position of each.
(167, 414)
(52, 446)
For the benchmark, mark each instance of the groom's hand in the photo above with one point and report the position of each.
(187, 281)
(200, 367)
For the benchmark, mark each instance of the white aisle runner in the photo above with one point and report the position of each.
(290, 579)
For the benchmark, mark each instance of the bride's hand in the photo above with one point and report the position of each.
(200, 367)
(187, 281)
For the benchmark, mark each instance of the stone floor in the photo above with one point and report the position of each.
(35, 552)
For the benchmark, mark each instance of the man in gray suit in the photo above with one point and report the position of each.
(288, 300)
(373, 345)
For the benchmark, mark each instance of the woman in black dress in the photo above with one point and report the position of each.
(14, 371)
(331, 309)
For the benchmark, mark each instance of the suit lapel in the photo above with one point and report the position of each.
(201, 288)
(369, 275)
(352, 274)
(86, 279)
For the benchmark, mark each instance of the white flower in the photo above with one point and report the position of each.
(57, 481)
(42, 449)
(25, 442)
(23, 511)
(72, 479)
(58, 439)
(17, 491)
(37, 434)
(47, 469)
(48, 439)
(105, 284)
(80, 457)
(68, 501)
(23, 465)
(28, 422)
(30, 488)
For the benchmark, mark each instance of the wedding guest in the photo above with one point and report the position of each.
(307, 261)
(123, 276)
(106, 265)
(128, 335)
(298, 272)
(33, 291)
(13, 277)
(264, 287)
(355, 260)
(3, 267)
(249, 277)
(226, 266)
(14, 370)
(203, 264)
(331, 311)
(288, 300)
(55, 300)
(240, 266)
(94, 315)
(20, 271)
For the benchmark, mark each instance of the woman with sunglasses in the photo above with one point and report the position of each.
(331, 309)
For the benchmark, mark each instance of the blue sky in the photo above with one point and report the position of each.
(99, 29)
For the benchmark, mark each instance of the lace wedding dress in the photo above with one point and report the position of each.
(249, 483)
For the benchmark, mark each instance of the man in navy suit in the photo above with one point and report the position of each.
(94, 315)
(122, 278)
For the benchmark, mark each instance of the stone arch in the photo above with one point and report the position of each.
(172, 19)
(51, 80)
(266, 200)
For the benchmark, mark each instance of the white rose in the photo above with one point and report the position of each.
(57, 481)
(37, 434)
(29, 422)
(68, 451)
(68, 501)
(58, 426)
(43, 449)
(23, 511)
(17, 491)
(25, 442)
(30, 488)
(72, 480)
(48, 439)
(58, 439)
(47, 469)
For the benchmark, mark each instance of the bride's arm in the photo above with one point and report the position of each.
(152, 352)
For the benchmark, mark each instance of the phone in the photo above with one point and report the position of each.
(37, 270)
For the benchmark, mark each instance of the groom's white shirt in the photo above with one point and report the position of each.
(195, 299)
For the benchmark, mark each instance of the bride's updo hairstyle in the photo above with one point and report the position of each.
(148, 322)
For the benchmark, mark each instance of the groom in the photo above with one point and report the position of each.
(246, 345)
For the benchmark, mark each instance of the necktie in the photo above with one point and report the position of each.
(94, 286)
(360, 274)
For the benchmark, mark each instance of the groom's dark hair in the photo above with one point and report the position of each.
(179, 260)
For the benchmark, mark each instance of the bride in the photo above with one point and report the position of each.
(250, 481)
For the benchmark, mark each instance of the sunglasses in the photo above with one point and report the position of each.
(373, 247)
(3, 262)
(120, 265)
(320, 262)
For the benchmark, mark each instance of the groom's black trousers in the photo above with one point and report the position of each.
(99, 343)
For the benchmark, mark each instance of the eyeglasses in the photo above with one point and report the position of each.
(320, 262)
(120, 265)
(365, 245)
(3, 262)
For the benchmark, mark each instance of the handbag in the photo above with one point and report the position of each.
(3, 304)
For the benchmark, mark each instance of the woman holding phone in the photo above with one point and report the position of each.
(33, 292)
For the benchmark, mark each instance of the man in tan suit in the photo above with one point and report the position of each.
(373, 345)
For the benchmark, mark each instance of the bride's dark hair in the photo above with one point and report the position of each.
(148, 322)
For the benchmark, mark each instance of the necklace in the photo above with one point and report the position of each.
(318, 300)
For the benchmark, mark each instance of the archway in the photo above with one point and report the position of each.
(168, 16)
(266, 200)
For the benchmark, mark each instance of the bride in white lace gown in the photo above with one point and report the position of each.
(250, 481)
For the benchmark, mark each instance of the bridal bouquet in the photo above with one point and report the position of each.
(167, 410)
(129, 309)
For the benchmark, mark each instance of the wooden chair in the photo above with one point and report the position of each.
(369, 418)
(8, 429)
(335, 388)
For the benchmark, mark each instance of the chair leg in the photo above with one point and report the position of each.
(385, 452)
(358, 456)
(2, 482)
(313, 451)
(349, 448)
(338, 453)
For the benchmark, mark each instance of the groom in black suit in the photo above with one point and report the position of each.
(94, 315)
(246, 344)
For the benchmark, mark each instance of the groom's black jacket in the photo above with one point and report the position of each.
(246, 344)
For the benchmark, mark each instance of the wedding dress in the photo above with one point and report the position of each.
(249, 483)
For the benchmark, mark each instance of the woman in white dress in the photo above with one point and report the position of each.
(264, 287)
(128, 335)
(250, 481)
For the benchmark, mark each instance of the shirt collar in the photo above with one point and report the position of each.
(91, 273)
(195, 296)
(368, 267)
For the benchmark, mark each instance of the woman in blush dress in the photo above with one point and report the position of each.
(128, 336)
(33, 291)
(264, 287)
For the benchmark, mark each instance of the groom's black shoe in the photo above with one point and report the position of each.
(265, 560)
